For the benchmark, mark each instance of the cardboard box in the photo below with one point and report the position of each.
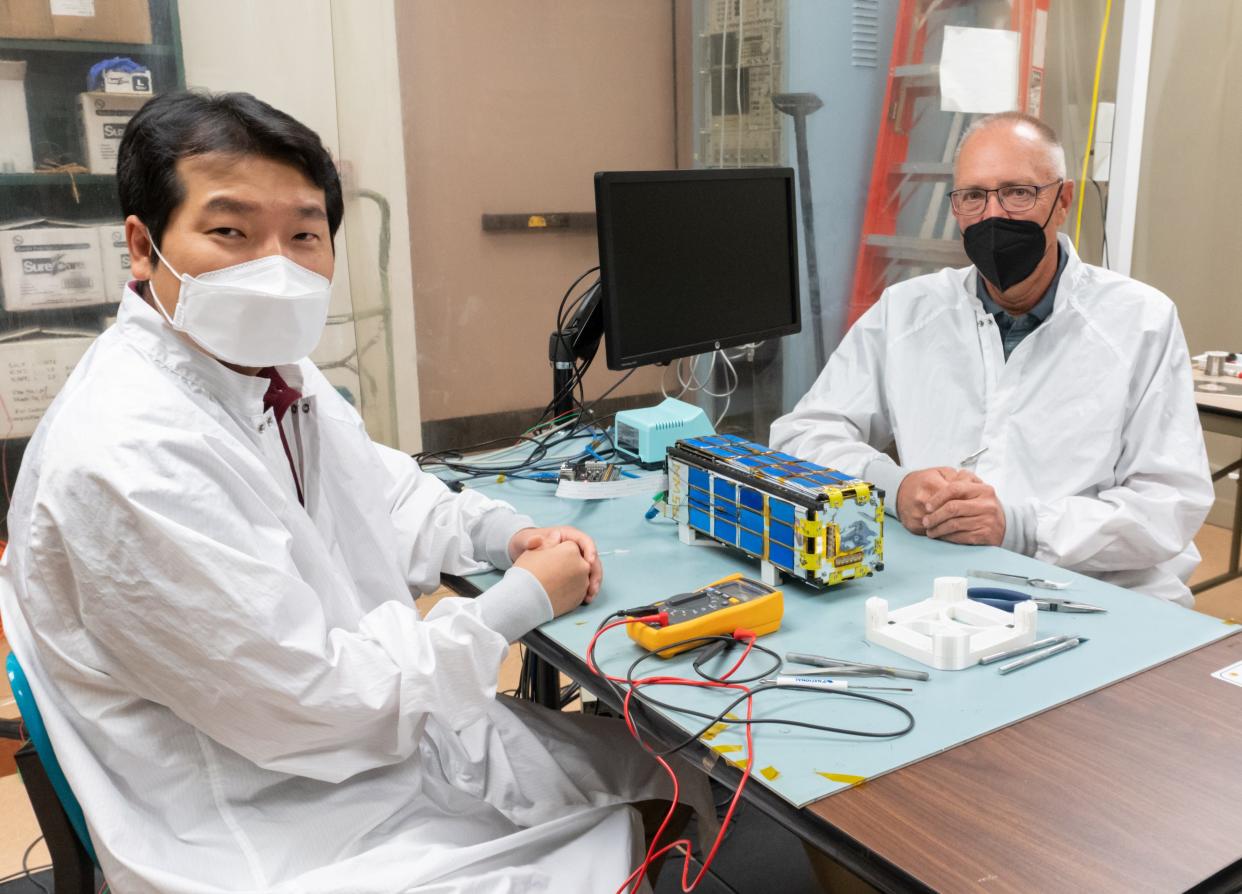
(32, 372)
(26, 19)
(101, 124)
(114, 21)
(50, 267)
(114, 257)
(16, 155)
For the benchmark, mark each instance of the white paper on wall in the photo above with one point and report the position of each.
(979, 70)
(84, 8)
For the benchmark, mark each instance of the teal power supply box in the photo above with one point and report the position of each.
(646, 434)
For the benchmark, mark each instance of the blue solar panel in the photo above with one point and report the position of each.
(780, 555)
(779, 533)
(724, 487)
(781, 511)
(752, 521)
(752, 543)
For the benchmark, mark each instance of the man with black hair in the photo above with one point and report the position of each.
(211, 569)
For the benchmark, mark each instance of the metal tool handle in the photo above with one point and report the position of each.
(816, 660)
(854, 669)
(841, 670)
(1022, 650)
(902, 674)
(1038, 656)
(997, 575)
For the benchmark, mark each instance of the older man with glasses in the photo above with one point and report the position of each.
(1033, 401)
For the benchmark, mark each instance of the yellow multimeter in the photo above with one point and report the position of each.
(718, 609)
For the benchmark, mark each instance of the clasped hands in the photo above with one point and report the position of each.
(563, 559)
(951, 504)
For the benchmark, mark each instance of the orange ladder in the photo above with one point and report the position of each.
(891, 247)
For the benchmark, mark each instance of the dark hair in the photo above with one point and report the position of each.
(178, 125)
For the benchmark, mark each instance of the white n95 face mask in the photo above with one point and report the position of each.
(261, 313)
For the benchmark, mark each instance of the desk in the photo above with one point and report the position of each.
(1135, 787)
(1132, 787)
(1221, 412)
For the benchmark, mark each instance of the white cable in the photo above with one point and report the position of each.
(681, 379)
(692, 383)
(729, 368)
(664, 375)
(728, 394)
(711, 368)
(720, 418)
(481, 459)
(741, 351)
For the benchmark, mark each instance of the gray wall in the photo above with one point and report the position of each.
(841, 143)
(1187, 241)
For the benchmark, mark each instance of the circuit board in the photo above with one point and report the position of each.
(589, 470)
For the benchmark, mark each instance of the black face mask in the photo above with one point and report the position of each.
(1007, 251)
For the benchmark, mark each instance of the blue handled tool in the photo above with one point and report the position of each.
(1005, 600)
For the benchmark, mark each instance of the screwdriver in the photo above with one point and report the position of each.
(846, 667)
(829, 683)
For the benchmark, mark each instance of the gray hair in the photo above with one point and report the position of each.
(1056, 152)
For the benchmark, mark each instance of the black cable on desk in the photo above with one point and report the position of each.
(720, 717)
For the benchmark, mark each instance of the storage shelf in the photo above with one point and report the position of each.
(98, 48)
(57, 179)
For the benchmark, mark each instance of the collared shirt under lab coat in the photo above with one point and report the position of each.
(241, 691)
(1092, 436)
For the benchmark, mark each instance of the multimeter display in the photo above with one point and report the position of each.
(685, 606)
(719, 608)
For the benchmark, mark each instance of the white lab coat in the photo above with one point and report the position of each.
(241, 692)
(1093, 441)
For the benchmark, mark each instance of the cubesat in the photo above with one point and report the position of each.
(796, 517)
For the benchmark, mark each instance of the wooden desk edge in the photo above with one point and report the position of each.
(991, 760)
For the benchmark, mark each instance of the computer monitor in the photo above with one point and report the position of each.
(692, 261)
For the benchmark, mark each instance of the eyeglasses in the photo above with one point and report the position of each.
(1015, 198)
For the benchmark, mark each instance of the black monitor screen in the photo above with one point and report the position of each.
(691, 261)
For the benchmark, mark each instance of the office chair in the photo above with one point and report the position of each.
(55, 806)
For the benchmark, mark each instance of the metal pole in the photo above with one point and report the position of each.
(798, 106)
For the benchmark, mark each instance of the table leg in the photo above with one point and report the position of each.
(1235, 542)
(546, 681)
